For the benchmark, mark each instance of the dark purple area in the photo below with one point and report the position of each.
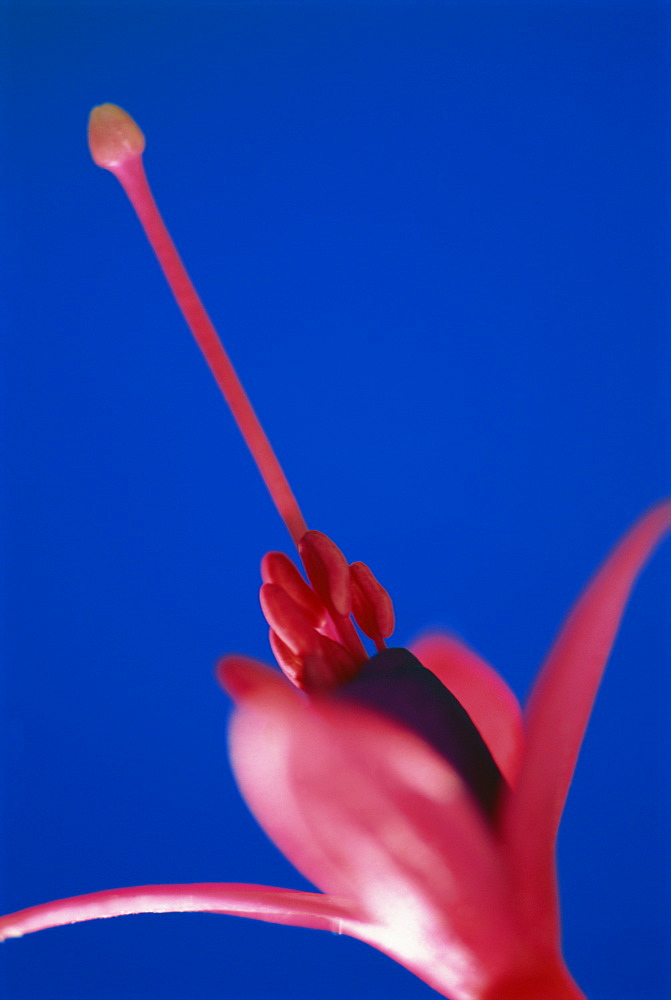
(396, 684)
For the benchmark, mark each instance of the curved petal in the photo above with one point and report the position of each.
(259, 744)
(367, 810)
(481, 691)
(260, 902)
(558, 712)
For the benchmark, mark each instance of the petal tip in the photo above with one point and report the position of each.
(241, 677)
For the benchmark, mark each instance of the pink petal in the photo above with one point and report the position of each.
(260, 761)
(260, 902)
(367, 810)
(481, 691)
(558, 712)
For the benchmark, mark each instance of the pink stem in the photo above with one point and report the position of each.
(130, 173)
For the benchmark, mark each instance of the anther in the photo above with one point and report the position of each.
(327, 666)
(287, 620)
(276, 567)
(327, 571)
(371, 604)
(312, 661)
(290, 663)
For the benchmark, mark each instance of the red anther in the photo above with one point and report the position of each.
(327, 571)
(371, 604)
(278, 568)
(292, 665)
(288, 621)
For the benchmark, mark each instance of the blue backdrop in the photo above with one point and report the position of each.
(434, 237)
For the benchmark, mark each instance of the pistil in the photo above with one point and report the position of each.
(117, 144)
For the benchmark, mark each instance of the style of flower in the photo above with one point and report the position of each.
(408, 786)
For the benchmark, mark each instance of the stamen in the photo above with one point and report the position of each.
(276, 567)
(291, 665)
(287, 620)
(328, 571)
(116, 143)
(371, 605)
(327, 667)
(314, 660)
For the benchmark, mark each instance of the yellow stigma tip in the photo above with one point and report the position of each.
(113, 136)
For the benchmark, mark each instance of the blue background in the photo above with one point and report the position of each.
(435, 239)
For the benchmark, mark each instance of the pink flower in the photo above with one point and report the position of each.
(372, 814)
(407, 786)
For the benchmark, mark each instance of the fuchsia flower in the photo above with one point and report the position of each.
(406, 785)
